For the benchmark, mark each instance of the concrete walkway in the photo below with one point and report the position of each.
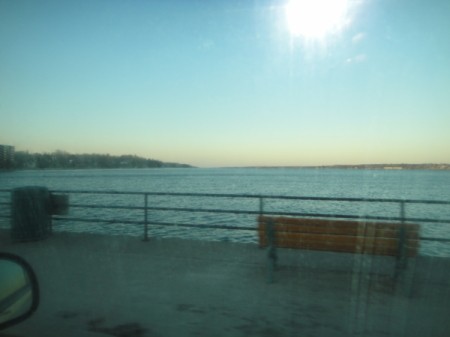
(94, 285)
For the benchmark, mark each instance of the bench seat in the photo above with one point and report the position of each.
(376, 238)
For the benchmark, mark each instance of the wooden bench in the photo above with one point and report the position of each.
(392, 239)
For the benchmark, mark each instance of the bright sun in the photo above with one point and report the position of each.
(314, 19)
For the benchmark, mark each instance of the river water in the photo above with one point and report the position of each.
(398, 184)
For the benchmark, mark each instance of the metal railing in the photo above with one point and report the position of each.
(259, 206)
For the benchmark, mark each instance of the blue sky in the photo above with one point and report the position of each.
(226, 83)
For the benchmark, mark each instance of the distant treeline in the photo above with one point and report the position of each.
(64, 160)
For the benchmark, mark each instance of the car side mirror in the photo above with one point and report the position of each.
(19, 291)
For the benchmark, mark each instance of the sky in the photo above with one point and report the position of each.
(228, 83)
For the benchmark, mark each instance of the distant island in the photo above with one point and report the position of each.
(65, 160)
(373, 167)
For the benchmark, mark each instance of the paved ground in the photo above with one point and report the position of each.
(94, 285)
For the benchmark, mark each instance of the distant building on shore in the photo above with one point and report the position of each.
(6, 156)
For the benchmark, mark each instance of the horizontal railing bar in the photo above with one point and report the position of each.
(169, 224)
(434, 239)
(203, 210)
(131, 222)
(108, 206)
(357, 217)
(315, 215)
(437, 202)
(154, 223)
(98, 192)
(339, 216)
(253, 196)
(192, 210)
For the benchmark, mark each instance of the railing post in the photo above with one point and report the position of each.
(145, 217)
(261, 206)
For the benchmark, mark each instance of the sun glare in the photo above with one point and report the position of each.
(314, 19)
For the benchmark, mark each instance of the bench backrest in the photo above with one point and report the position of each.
(341, 236)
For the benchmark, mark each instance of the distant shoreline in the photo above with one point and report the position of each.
(385, 167)
(434, 167)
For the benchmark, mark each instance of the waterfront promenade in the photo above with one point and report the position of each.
(98, 285)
